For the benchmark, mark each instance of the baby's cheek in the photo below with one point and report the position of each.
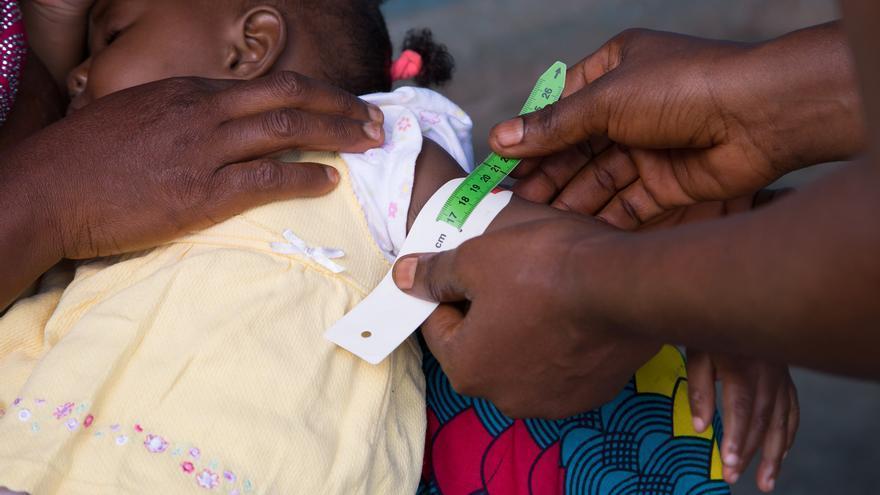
(111, 74)
(114, 71)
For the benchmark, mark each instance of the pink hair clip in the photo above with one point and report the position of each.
(407, 66)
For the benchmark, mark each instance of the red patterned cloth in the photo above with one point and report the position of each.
(12, 53)
(629, 446)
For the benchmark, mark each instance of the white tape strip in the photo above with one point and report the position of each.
(388, 316)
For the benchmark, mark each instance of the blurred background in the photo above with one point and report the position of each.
(502, 46)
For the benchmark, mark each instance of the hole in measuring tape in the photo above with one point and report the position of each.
(366, 334)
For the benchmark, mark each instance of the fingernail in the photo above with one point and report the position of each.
(376, 114)
(699, 425)
(785, 455)
(405, 273)
(770, 479)
(373, 130)
(731, 459)
(734, 477)
(332, 174)
(510, 133)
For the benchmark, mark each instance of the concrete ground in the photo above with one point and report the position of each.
(501, 46)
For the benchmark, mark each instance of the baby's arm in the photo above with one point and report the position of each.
(435, 167)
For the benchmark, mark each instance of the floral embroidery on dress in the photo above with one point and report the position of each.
(75, 416)
(392, 210)
(63, 410)
(155, 444)
(208, 479)
(404, 124)
(429, 118)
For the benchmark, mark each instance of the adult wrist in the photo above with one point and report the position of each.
(29, 214)
(808, 110)
(599, 276)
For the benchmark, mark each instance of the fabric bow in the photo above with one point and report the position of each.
(319, 255)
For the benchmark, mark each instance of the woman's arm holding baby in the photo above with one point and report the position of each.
(144, 165)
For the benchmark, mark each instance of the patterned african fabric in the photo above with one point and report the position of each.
(12, 54)
(642, 443)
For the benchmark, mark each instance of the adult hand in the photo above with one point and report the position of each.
(760, 411)
(144, 165)
(522, 342)
(760, 400)
(700, 120)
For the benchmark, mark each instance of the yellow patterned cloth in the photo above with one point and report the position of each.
(200, 367)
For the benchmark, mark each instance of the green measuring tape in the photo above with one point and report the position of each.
(486, 177)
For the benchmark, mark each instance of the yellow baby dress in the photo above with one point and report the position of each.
(200, 367)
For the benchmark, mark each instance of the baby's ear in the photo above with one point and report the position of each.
(258, 40)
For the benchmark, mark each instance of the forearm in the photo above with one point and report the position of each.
(26, 247)
(435, 167)
(58, 38)
(796, 281)
(861, 17)
(809, 104)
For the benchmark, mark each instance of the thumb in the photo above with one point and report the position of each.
(431, 277)
(441, 332)
(555, 128)
(581, 113)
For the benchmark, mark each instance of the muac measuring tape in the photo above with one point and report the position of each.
(460, 210)
(489, 175)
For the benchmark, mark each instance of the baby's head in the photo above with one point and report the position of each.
(344, 42)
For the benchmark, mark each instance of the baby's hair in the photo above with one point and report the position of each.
(437, 63)
(356, 46)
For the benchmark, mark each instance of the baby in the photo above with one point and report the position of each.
(201, 365)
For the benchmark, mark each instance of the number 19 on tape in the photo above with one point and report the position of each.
(489, 174)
